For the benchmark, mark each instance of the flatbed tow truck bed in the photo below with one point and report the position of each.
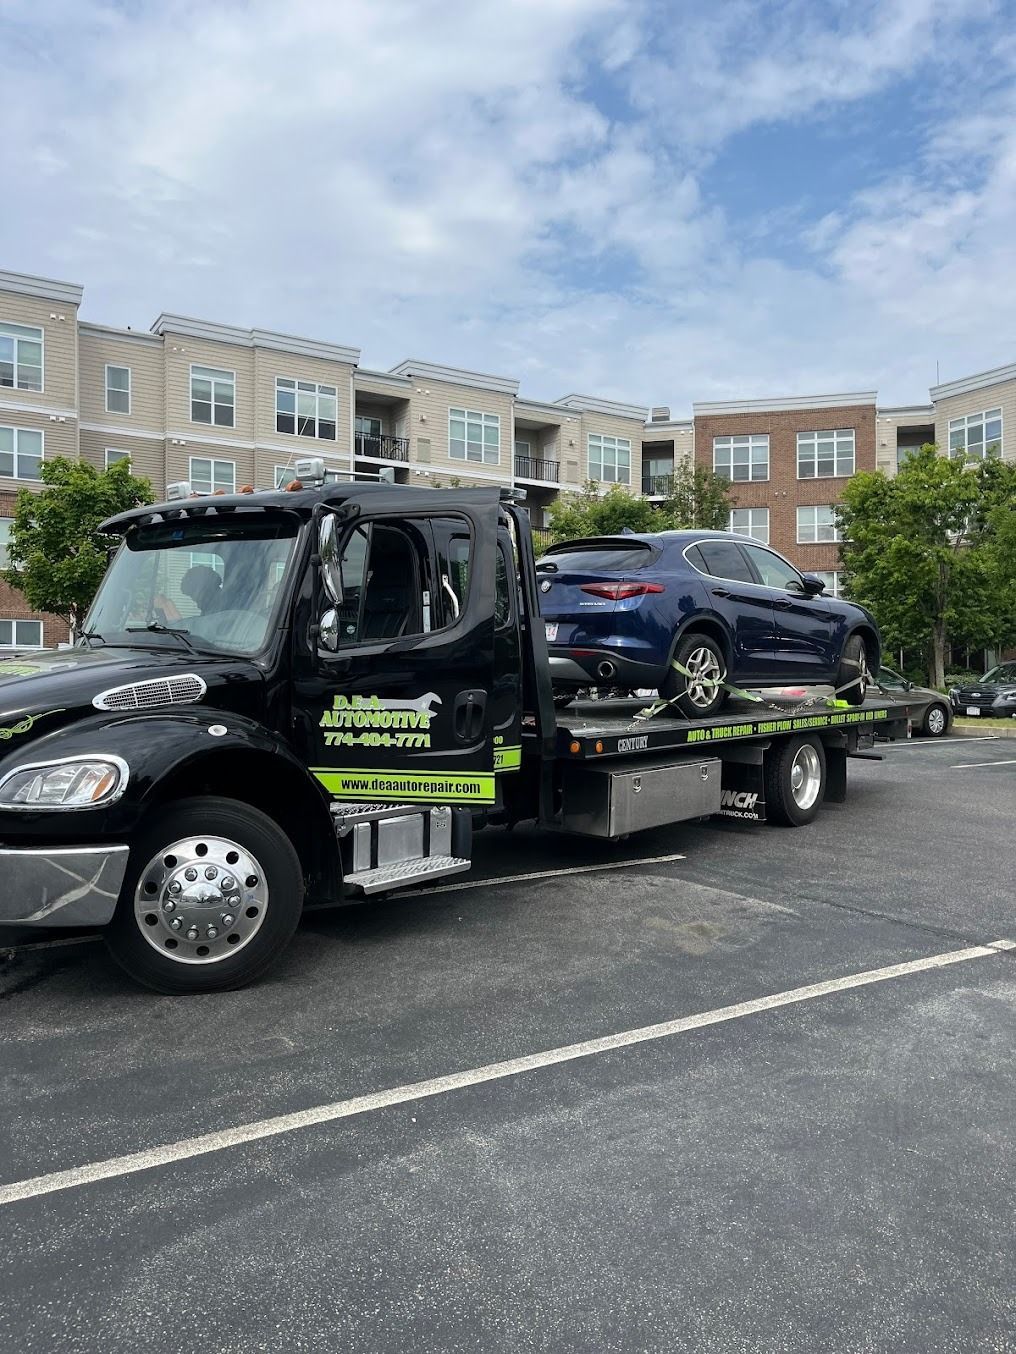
(621, 773)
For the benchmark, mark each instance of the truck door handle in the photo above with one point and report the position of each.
(468, 715)
(720, 592)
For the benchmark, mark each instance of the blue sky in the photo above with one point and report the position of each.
(648, 200)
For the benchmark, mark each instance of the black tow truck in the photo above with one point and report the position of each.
(320, 694)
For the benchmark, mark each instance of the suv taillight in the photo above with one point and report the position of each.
(618, 592)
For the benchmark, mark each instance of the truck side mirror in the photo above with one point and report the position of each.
(328, 630)
(328, 553)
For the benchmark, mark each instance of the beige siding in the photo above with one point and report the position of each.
(144, 357)
(428, 419)
(611, 425)
(59, 436)
(148, 454)
(58, 322)
(270, 363)
(179, 454)
(684, 445)
(888, 434)
(1001, 396)
(181, 353)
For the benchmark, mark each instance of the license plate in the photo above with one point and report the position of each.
(551, 631)
(973, 710)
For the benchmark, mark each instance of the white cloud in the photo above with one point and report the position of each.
(520, 188)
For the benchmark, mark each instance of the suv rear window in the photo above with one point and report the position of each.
(599, 559)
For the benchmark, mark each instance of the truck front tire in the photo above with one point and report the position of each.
(212, 896)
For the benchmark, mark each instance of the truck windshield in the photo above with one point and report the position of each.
(215, 584)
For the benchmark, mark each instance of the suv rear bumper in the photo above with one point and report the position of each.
(60, 886)
(567, 670)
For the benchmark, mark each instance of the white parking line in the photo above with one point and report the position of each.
(970, 766)
(205, 1143)
(544, 874)
(925, 743)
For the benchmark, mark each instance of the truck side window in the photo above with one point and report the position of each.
(502, 589)
(383, 568)
(454, 552)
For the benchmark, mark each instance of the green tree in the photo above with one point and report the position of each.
(593, 514)
(921, 551)
(698, 497)
(57, 556)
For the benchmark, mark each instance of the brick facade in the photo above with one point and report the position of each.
(13, 606)
(783, 492)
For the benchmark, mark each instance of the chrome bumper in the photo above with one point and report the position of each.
(60, 886)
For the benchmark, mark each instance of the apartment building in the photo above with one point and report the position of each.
(224, 407)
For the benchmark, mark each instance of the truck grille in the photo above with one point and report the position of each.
(185, 689)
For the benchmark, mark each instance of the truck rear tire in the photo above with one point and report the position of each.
(795, 781)
(212, 896)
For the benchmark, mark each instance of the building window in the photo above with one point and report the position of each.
(753, 522)
(367, 426)
(523, 448)
(5, 540)
(975, 436)
(817, 524)
(824, 454)
(20, 356)
(114, 454)
(473, 436)
(831, 579)
(305, 408)
(213, 396)
(20, 453)
(609, 459)
(742, 458)
(210, 477)
(118, 390)
(20, 634)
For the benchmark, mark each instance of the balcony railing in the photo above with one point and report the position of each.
(382, 446)
(530, 468)
(541, 539)
(657, 486)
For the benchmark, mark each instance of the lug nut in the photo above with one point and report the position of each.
(211, 871)
(176, 923)
(211, 932)
(228, 883)
(176, 886)
(169, 905)
(192, 934)
(190, 873)
(227, 919)
(235, 900)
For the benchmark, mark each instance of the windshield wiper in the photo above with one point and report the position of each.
(89, 635)
(157, 628)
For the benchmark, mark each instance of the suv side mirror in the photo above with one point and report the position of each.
(813, 586)
(328, 554)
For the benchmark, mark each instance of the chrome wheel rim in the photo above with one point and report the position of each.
(705, 673)
(201, 899)
(936, 719)
(805, 776)
(864, 676)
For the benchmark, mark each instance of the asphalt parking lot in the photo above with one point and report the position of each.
(829, 1169)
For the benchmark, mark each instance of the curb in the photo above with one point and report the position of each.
(973, 730)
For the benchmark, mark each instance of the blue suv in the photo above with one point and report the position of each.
(683, 611)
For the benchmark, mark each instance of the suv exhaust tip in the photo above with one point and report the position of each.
(606, 670)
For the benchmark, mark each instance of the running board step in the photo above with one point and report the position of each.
(405, 872)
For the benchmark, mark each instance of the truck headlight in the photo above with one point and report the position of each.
(72, 783)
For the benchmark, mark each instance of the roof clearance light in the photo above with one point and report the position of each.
(182, 489)
(310, 470)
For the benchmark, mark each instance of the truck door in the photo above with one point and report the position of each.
(391, 699)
